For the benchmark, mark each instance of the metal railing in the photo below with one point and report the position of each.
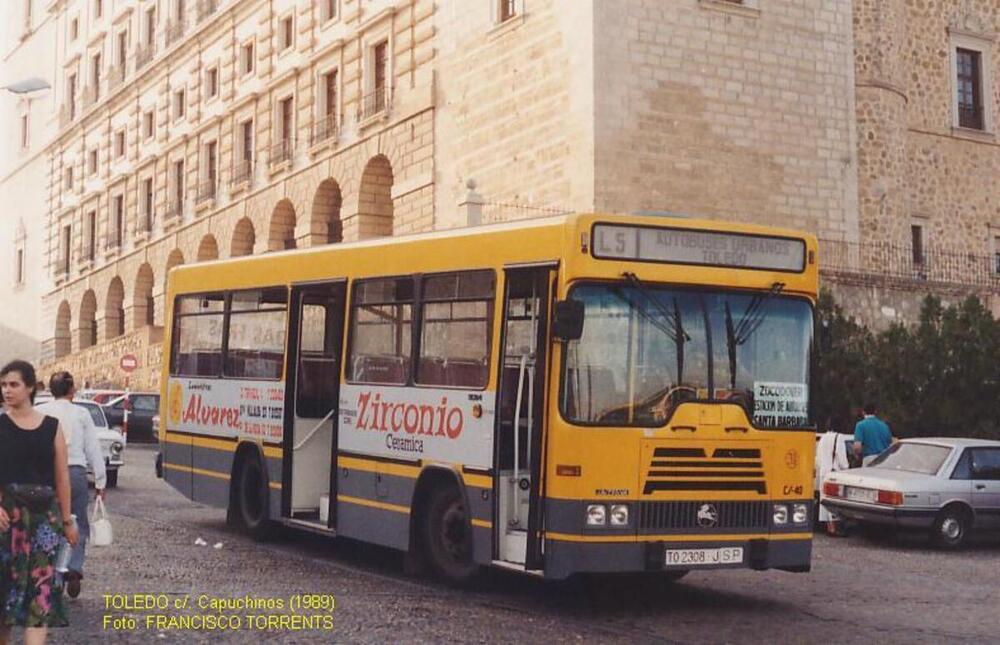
(281, 152)
(174, 31)
(325, 129)
(242, 172)
(88, 96)
(375, 103)
(206, 191)
(113, 242)
(116, 75)
(173, 210)
(900, 262)
(206, 8)
(144, 54)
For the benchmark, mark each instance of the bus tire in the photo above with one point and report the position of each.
(252, 500)
(112, 475)
(446, 535)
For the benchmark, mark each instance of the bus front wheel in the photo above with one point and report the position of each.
(252, 499)
(447, 535)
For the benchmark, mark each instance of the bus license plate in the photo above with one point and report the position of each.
(692, 557)
(860, 494)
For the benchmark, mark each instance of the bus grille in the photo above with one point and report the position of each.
(684, 515)
(695, 469)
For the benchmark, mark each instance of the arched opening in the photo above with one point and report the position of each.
(176, 258)
(281, 235)
(208, 249)
(114, 310)
(63, 339)
(88, 320)
(325, 224)
(142, 298)
(375, 198)
(243, 238)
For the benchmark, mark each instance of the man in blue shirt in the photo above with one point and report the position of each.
(871, 436)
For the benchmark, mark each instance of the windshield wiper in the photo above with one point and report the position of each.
(747, 326)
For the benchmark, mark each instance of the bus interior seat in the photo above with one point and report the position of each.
(431, 371)
(376, 368)
(465, 373)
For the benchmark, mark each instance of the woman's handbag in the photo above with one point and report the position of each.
(100, 526)
(35, 497)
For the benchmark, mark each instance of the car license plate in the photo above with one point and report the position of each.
(860, 494)
(693, 557)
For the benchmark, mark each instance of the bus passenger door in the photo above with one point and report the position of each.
(311, 399)
(520, 407)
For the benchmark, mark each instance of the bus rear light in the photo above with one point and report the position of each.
(565, 470)
(832, 490)
(892, 497)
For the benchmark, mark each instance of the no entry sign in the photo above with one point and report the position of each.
(128, 363)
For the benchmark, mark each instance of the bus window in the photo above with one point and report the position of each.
(256, 341)
(197, 341)
(455, 329)
(381, 329)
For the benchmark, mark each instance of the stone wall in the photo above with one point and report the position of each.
(99, 366)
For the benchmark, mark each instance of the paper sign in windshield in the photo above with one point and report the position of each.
(780, 405)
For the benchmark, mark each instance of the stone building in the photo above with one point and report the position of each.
(189, 131)
(928, 103)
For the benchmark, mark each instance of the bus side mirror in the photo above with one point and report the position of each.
(567, 323)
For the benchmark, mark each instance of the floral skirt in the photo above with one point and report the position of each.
(31, 594)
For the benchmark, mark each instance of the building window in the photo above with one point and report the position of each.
(246, 59)
(71, 95)
(98, 8)
(150, 25)
(67, 241)
(246, 152)
(120, 144)
(287, 119)
(178, 187)
(329, 10)
(91, 235)
(326, 127)
(969, 82)
(507, 10)
(69, 178)
(122, 50)
(19, 266)
(287, 33)
(147, 204)
(95, 74)
(74, 29)
(24, 132)
(118, 221)
(377, 98)
(917, 243)
(210, 173)
(179, 104)
(212, 82)
(148, 127)
(92, 162)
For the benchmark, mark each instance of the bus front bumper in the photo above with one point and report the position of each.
(564, 557)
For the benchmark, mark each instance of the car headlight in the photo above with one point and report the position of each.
(116, 449)
(597, 515)
(780, 515)
(619, 515)
(800, 513)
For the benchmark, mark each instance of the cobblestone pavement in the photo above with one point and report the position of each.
(861, 590)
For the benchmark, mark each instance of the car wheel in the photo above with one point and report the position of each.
(950, 528)
(252, 499)
(447, 535)
(112, 474)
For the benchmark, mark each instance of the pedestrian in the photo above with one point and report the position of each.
(871, 435)
(83, 449)
(34, 510)
(831, 455)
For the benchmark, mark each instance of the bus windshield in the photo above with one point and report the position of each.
(647, 348)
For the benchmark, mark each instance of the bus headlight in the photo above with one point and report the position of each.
(780, 516)
(619, 515)
(800, 513)
(597, 515)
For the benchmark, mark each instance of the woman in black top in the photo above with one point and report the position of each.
(34, 509)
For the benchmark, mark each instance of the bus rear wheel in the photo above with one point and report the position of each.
(446, 535)
(252, 499)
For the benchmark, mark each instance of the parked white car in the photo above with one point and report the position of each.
(946, 487)
(112, 441)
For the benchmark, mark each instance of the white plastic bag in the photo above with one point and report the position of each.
(100, 526)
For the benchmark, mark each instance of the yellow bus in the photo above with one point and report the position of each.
(578, 393)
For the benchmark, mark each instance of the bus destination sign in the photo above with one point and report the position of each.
(707, 248)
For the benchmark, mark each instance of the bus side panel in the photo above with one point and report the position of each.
(272, 460)
(373, 506)
(177, 463)
(479, 490)
(212, 467)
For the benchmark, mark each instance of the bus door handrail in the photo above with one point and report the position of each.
(315, 429)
